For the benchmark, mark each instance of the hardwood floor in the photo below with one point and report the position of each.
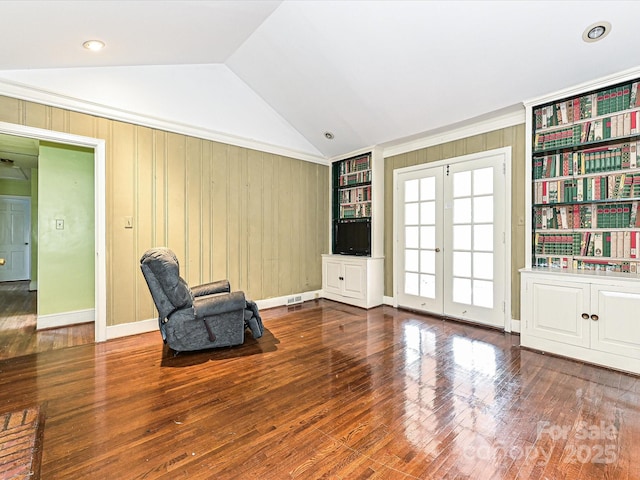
(330, 391)
(18, 335)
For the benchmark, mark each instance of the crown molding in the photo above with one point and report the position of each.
(487, 123)
(37, 95)
(601, 82)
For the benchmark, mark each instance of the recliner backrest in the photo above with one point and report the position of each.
(162, 272)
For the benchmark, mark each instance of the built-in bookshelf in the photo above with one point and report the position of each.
(352, 200)
(585, 160)
(354, 187)
(353, 272)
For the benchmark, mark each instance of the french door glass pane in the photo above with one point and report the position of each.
(483, 293)
(428, 261)
(461, 210)
(462, 264)
(428, 286)
(483, 265)
(411, 214)
(428, 213)
(462, 237)
(483, 209)
(483, 237)
(483, 181)
(411, 283)
(462, 184)
(427, 237)
(428, 188)
(461, 290)
(411, 260)
(411, 237)
(411, 190)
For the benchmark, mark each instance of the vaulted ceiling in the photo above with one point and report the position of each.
(282, 73)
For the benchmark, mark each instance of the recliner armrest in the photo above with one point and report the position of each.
(209, 305)
(219, 286)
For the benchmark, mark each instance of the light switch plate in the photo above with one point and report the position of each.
(59, 224)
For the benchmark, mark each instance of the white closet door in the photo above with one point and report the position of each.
(450, 253)
(15, 230)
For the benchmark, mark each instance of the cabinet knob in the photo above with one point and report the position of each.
(437, 249)
(594, 317)
(585, 316)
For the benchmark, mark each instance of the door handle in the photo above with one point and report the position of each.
(2, 261)
(437, 249)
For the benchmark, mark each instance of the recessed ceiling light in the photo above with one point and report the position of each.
(329, 135)
(93, 45)
(596, 31)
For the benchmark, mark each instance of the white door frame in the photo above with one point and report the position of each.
(397, 250)
(99, 155)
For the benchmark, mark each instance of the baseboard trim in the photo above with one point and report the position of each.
(515, 326)
(56, 320)
(387, 300)
(283, 301)
(151, 325)
(33, 285)
(132, 328)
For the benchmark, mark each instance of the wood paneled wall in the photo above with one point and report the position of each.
(508, 137)
(256, 218)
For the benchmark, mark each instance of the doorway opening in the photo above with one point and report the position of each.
(98, 147)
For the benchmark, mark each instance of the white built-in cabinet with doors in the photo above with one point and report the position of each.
(354, 271)
(353, 279)
(580, 288)
(583, 316)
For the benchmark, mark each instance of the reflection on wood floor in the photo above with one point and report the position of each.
(18, 335)
(330, 391)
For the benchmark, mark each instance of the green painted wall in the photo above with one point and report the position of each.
(65, 256)
(34, 226)
(21, 188)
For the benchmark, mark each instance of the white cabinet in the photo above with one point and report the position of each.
(354, 280)
(588, 316)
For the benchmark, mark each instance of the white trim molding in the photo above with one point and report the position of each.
(515, 326)
(64, 319)
(33, 94)
(151, 325)
(99, 155)
(282, 301)
(132, 328)
(493, 121)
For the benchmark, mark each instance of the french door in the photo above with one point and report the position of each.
(450, 254)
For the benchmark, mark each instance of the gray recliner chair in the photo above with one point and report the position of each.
(197, 318)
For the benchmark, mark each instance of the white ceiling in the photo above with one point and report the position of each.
(282, 73)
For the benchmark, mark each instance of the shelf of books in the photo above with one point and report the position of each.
(353, 188)
(586, 181)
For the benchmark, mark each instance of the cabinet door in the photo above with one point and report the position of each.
(557, 309)
(617, 328)
(354, 283)
(332, 276)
